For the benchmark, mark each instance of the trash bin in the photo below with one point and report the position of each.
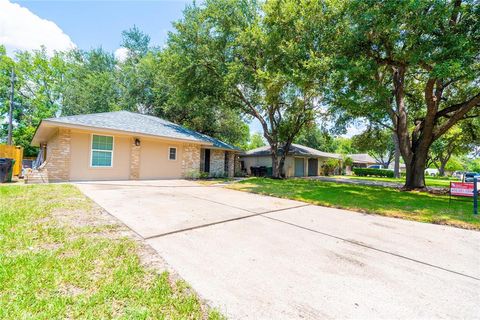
(10, 172)
(6, 168)
(269, 171)
(262, 171)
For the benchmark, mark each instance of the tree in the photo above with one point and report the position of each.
(90, 83)
(256, 141)
(136, 42)
(459, 140)
(378, 143)
(317, 138)
(413, 64)
(455, 164)
(344, 146)
(264, 60)
(474, 165)
(38, 94)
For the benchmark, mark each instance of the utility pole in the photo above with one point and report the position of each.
(10, 110)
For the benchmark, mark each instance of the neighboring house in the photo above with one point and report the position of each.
(362, 160)
(301, 160)
(124, 145)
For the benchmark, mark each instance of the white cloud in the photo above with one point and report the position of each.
(20, 29)
(121, 54)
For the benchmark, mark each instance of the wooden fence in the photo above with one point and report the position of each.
(13, 152)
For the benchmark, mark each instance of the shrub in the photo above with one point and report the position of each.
(330, 166)
(365, 172)
(194, 174)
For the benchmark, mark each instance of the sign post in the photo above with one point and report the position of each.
(475, 194)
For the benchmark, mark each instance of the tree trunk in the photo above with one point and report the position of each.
(415, 175)
(441, 169)
(276, 173)
(396, 167)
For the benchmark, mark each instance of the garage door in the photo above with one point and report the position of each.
(313, 167)
(299, 167)
(155, 162)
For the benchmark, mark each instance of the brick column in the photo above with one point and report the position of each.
(135, 161)
(57, 163)
(231, 164)
(190, 160)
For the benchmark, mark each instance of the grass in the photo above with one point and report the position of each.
(443, 182)
(417, 206)
(213, 181)
(57, 261)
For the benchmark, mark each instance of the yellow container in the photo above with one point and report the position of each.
(13, 152)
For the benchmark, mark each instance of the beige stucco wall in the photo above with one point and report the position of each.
(80, 168)
(69, 158)
(154, 162)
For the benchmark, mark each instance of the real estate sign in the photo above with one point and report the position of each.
(461, 189)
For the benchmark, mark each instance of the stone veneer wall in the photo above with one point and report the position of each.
(134, 160)
(237, 166)
(217, 162)
(190, 160)
(57, 163)
(231, 164)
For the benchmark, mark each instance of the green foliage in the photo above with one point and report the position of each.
(455, 164)
(344, 145)
(409, 65)
(38, 93)
(366, 172)
(377, 143)
(474, 165)
(317, 138)
(136, 42)
(347, 161)
(256, 141)
(330, 166)
(256, 58)
(80, 82)
(90, 84)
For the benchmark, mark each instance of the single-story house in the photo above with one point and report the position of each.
(362, 160)
(301, 161)
(124, 145)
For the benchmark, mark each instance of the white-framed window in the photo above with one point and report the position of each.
(102, 151)
(172, 153)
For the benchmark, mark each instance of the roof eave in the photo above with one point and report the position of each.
(101, 129)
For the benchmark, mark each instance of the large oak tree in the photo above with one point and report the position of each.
(413, 64)
(263, 59)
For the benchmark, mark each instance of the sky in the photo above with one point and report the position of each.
(62, 25)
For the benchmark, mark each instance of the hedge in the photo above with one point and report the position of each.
(364, 172)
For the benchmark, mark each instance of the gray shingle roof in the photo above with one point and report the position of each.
(295, 149)
(139, 123)
(362, 158)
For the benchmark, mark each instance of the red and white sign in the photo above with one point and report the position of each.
(462, 189)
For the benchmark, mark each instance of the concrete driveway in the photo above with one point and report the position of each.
(258, 257)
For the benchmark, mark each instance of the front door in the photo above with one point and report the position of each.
(312, 167)
(206, 167)
(299, 167)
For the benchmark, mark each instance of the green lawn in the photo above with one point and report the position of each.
(58, 261)
(429, 181)
(418, 206)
